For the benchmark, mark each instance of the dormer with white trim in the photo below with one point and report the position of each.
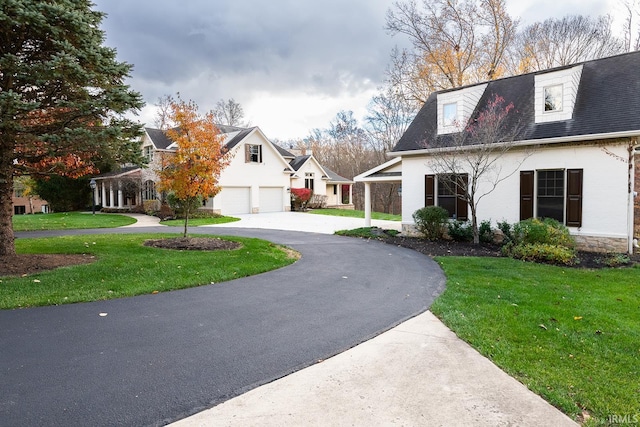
(455, 108)
(555, 94)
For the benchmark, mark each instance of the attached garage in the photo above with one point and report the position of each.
(236, 200)
(271, 199)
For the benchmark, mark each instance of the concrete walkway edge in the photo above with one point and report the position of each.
(418, 373)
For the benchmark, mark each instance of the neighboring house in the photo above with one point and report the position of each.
(258, 179)
(23, 203)
(579, 126)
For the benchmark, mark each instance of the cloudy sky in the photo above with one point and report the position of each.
(291, 64)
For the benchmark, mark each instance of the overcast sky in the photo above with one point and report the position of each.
(291, 64)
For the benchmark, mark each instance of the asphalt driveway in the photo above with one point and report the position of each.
(154, 359)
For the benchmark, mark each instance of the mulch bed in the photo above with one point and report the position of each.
(452, 248)
(23, 264)
(193, 244)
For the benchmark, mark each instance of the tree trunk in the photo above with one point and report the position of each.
(474, 226)
(7, 244)
(186, 221)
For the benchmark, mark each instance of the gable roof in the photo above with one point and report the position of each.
(335, 178)
(607, 105)
(158, 138)
(299, 161)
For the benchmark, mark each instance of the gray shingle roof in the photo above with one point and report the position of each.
(298, 162)
(239, 137)
(334, 177)
(608, 100)
(159, 138)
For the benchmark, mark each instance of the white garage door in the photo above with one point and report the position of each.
(271, 199)
(236, 200)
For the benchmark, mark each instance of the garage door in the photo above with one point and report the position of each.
(236, 200)
(271, 199)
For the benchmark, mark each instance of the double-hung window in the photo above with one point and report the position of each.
(253, 153)
(552, 193)
(448, 192)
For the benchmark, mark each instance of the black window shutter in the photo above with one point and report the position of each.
(526, 194)
(429, 187)
(574, 197)
(259, 153)
(461, 202)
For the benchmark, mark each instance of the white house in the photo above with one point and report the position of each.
(258, 179)
(576, 129)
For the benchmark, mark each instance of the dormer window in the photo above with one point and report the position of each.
(456, 106)
(450, 114)
(553, 98)
(556, 93)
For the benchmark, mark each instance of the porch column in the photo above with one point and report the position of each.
(96, 195)
(351, 194)
(111, 195)
(367, 203)
(120, 198)
(104, 194)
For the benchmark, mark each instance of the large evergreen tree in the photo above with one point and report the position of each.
(62, 97)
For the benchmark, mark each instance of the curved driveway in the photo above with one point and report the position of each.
(154, 359)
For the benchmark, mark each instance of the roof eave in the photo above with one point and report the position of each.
(525, 143)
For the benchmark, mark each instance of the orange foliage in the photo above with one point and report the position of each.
(195, 168)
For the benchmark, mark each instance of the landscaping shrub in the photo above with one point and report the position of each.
(430, 221)
(549, 231)
(485, 232)
(299, 198)
(541, 240)
(505, 227)
(460, 231)
(542, 252)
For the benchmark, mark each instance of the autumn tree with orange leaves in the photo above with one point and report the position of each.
(63, 99)
(193, 172)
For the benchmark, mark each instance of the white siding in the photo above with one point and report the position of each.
(466, 101)
(569, 79)
(605, 210)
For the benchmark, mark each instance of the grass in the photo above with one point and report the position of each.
(570, 335)
(355, 214)
(200, 221)
(124, 267)
(69, 220)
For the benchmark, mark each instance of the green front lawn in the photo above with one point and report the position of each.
(195, 222)
(570, 335)
(355, 214)
(124, 267)
(69, 220)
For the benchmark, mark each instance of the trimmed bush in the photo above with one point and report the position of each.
(460, 231)
(430, 221)
(542, 252)
(485, 232)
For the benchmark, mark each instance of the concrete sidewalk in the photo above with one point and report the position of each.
(418, 373)
(290, 221)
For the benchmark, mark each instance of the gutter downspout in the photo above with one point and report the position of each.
(631, 195)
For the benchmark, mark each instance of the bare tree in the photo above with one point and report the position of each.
(229, 112)
(389, 115)
(470, 162)
(631, 25)
(565, 41)
(454, 42)
(163, 112)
